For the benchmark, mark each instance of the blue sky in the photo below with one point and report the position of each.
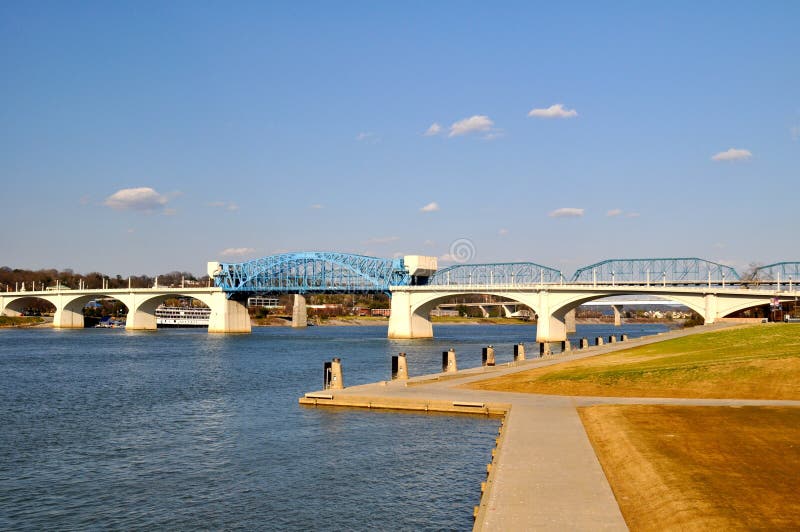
(146, 137)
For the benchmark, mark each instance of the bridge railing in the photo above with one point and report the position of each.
(506, 273)
(689, 271)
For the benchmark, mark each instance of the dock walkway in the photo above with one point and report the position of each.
(545, 474)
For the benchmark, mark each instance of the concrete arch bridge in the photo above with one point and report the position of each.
(710, 289)
(226, 315)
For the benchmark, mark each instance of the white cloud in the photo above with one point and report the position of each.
(471, 125)
(236, 252)
(566, 212)
(381, 240)
(494, 134)
(732, 154)
(227, 205)
(430, 207)
(633, 215)
(435, 129)
(143, 199)
(795, 131)
(614, 212)
(554, 111)
(502, 231)
(316, 206)
(429, 243)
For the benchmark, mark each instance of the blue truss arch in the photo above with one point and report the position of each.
(779, 271)
(504, 273)
(312, 271)
(670, 270)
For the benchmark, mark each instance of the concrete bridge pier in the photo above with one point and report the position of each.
(617, 314)
(66, 318)
(405, 322)
(299, 312)
(550, 326)
(228, 315)
(569, 320)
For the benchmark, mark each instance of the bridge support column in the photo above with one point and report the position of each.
(711, 309)
(569, 320)
(299, 313)
(405, 323)
(550, 326)
(617, 315)
(140, 320)
(65, 318)
(228, 315)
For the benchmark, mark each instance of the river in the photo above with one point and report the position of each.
(179, 429)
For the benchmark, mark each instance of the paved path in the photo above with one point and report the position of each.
(545, 474)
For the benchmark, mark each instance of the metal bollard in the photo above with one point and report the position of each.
(598, 340)
(612, 339)
(584, 343)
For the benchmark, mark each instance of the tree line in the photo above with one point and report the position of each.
(10, 278)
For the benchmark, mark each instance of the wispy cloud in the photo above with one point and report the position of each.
(435, 129)
(473, 124)
(143, 199)
(429, 243)
(614, 212)
(795, 132)
(227, 205)
(236, 252)
(554, 111)
(566, 212)
(316, 206)
(632, 215)
(502, 231)
(732, 154)
(366, 136)
(381, 240)
(430, 207)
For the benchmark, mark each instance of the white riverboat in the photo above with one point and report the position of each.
(182, 316)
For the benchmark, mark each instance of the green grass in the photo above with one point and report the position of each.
(759, 361)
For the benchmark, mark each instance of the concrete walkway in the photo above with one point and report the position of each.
(545, 474)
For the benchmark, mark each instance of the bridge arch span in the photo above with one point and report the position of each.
(410, 317)
(16, 306)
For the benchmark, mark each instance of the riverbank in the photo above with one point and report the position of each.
(544, 447)
(7, 322)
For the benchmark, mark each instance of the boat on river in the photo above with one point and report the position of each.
(182, 316)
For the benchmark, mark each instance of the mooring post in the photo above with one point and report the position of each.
(584, 343)
(598, 340)
(519, 352)
(544, 349)
(449, 361)
(612, 339)
(399, 367)
(487, 357)
(333, 375)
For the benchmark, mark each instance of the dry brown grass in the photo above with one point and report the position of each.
(761, 362)
(700, 468)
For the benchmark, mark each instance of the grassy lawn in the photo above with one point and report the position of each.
(700, 468)
(758, 362)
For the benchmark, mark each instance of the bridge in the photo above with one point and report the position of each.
(416, 286)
